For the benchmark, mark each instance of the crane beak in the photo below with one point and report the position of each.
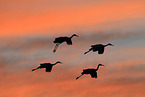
(110, 44)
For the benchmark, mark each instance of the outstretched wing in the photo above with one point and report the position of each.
(93, 45)
(48, 69)
(44, 64)
(97, 45)
(59, 39)
(68, 41)
(93, 74)
(101, 51)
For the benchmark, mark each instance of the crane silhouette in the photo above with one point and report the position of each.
(48, 66)
(60, 40)
(91, 71)
(98, 47)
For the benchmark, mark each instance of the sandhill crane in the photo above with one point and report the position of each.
(48, 66)
(98, 47)
(91, 71)
(60, 40)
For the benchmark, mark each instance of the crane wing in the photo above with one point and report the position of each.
(97, 45)
(68, 41)
(93, 74)
(59, 39)
(101, 51)
(93, 45)
(48, 69)
(45, 64)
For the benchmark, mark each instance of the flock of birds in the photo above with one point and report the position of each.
(92, 71)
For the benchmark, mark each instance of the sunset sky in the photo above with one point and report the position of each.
(29, 27)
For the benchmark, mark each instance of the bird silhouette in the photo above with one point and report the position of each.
(48, 66)
(91, 71)
(98, 47)
(60, 40)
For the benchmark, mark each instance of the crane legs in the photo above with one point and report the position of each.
(35, 69)
(79, 76)
(88, 51)
(55, 47)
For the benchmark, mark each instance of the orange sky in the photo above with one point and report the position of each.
(24, 18)
(28, 28)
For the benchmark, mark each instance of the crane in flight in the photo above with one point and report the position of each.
(91, 71)
(98, 47)
(60, 40)
(47, 66)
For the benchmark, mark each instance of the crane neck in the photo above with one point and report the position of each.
(55, 63)
(72, 36)
(106, 45)
(97, 68)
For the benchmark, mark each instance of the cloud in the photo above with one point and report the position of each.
(36, 24)
(34, 84)
(122, 74)
(22, 50)
(114, 79)
(39, 42)
(30, 17)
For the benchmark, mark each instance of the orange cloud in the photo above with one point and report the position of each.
(66, 18)
(56, 84)
(122, 75)
(121, 78)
